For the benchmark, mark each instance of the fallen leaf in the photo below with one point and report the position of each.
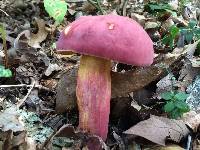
(31, 144)
(139, 18)
(165, 84)
(196, 144)
(36, 39)
(192, 119)
(9, 120)
(89, 141)
(159, 129)
(168, 147)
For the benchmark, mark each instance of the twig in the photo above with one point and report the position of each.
(4, 12)
(29, 91)
(189, 142)
(124, 7)
(25, 85)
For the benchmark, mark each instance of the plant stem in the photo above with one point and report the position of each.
(3, 36)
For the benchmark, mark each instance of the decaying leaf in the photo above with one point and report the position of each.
(12, 131)
(33, 40)
(165, 84)
(196, 144)
(168, 147)
(139, 18)
(67, 133)
(192, 119)
(66, 95)
(31, 144)
(9, 120)
(159, 129)
(36, 39)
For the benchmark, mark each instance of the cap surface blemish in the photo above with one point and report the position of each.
(111, 26)
(66, 31)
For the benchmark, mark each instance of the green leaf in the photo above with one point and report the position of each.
(174, 31)
(189, 37)
(5, 72)
(182, 106)
(167, 95)
(171, 43)
(184, 31)
(175, 114)
(181, 96)
(196, 30)
(197, 51)
(159, 6)
(169, 39)
(173, 13)
(169, 106)
(165, 39)
(192, 24)
(56, 9)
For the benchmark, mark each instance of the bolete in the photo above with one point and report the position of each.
(101, 39)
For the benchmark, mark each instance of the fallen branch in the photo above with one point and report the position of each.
(25, 85)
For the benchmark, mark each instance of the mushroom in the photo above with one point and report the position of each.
(101, 39)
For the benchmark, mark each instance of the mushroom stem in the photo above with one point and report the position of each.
(93, 93)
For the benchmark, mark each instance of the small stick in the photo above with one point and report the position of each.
(25, 85)
(189, 142)
(29, 91)
(4, 12)
(124, 7)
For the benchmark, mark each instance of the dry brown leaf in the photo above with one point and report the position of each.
(158, 129)
(31, 145)
(139, 18)
(40, 36)
(196, 144)
(192, 119)
(33, 40)
(168, 147)
(188, 72)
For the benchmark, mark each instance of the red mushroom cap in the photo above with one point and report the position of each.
(108, 36)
